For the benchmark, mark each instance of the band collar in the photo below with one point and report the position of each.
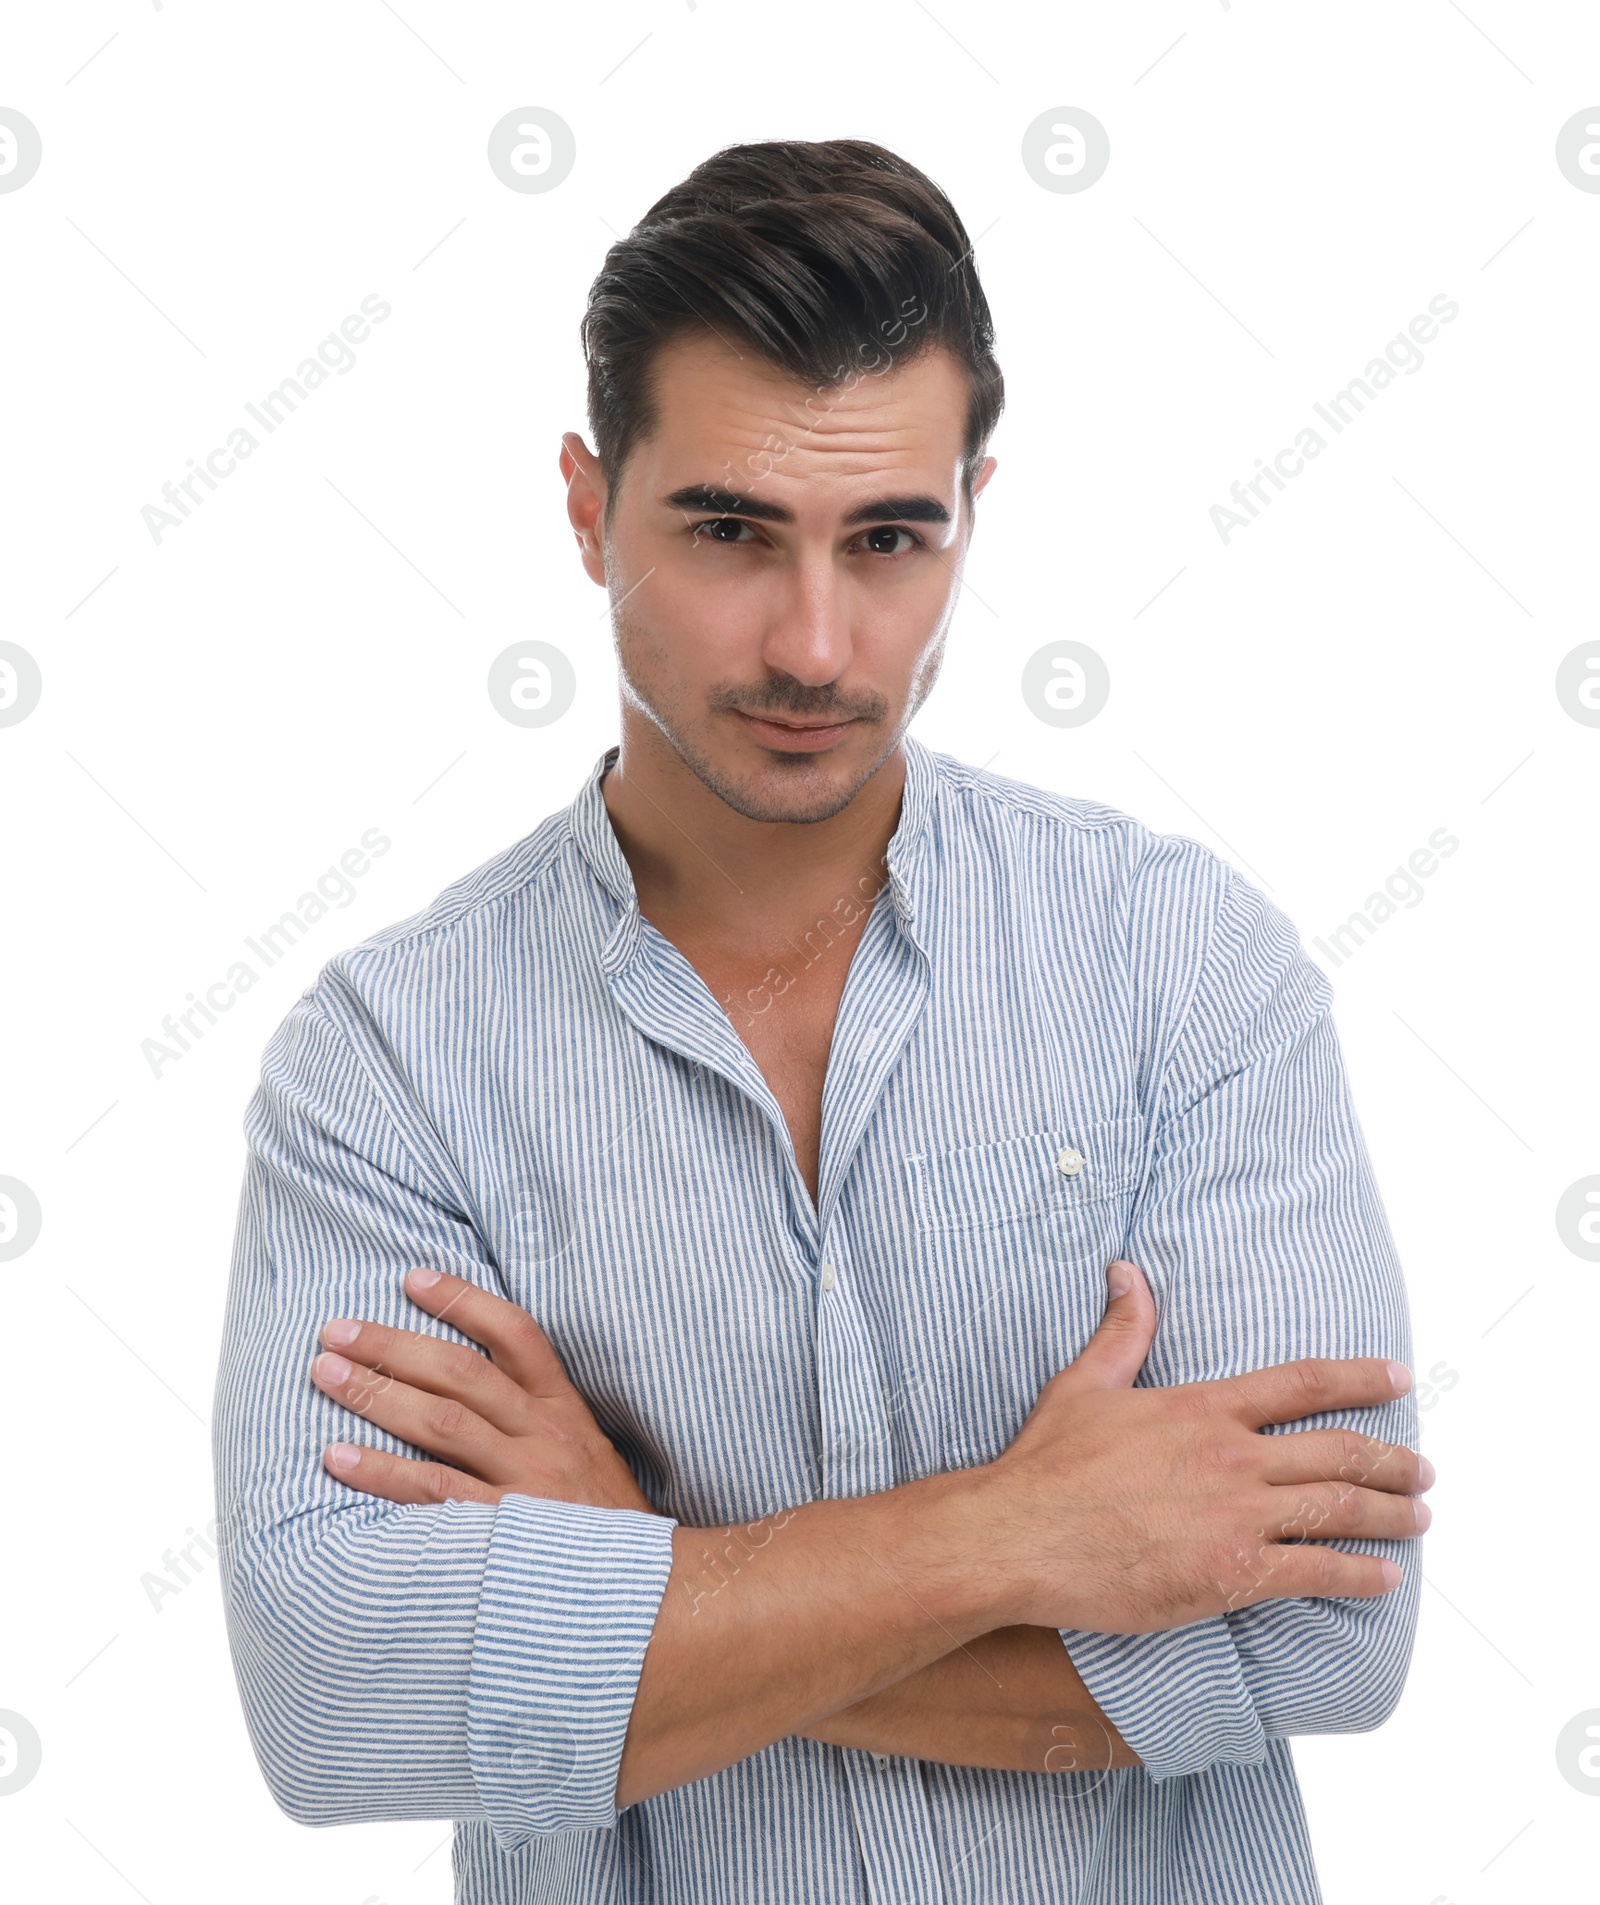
(595, 839)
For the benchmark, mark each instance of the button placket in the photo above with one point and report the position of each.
(855, 1439)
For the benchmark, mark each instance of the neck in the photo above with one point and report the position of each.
(695, 860)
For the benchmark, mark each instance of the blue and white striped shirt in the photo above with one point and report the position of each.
(530, 1086)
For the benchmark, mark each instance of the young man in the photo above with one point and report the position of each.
(823, 1523)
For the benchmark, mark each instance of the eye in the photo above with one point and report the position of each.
(893, 529)
(717, 523)
(727, 531)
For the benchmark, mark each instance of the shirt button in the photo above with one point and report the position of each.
(829, 1276)
(1069, 1162)
(881, 1759)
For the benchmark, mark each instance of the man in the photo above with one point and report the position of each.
(823, 1522)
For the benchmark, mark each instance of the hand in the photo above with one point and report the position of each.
(508, 1424)
(1125, 1511)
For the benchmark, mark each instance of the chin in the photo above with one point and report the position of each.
(800, 789)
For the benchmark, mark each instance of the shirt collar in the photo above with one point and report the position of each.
(907, 852)
(591, 831)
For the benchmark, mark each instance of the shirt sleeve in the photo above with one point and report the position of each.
(453, 1660)
(1261, 1232)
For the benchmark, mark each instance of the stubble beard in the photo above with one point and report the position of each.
(790, 789)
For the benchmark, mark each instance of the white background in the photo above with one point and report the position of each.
(225, 713)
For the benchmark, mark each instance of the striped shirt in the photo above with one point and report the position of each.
(528, 1085)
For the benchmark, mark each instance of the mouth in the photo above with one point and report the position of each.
(794, 737)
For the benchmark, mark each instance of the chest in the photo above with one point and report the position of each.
(782, 1001)
(744, 1344)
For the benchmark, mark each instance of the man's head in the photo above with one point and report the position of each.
(791, 387)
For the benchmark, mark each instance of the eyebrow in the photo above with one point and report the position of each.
(723, 502)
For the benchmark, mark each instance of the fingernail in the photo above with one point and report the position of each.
(341, 1331)
(423, 1279)
(1119, 1278)
(1400, 1376)
(1425, 1471)
(332, 1369)
(343, 1455)
(1423, 1512)
(1391, 1574)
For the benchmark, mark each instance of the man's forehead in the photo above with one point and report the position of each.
(716, 408)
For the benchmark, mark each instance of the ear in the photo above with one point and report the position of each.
(586, 501)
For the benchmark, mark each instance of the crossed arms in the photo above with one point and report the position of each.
(411, 1658)
(843, 1609)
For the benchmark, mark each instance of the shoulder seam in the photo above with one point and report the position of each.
(312, 997)
(1022, 797)
(428, 923)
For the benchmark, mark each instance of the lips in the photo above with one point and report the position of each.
(793, 736)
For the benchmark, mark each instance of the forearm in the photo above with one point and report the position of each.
(1010, 1699)
(768, 1630)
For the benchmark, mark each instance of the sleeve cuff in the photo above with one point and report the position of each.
(1177, 1697)
(569, 1601)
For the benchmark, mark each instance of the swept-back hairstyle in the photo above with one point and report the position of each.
(825, 258)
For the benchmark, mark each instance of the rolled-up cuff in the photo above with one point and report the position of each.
(569, 1600)
(1177, 1697)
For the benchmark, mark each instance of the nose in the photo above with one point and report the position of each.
(809, 633)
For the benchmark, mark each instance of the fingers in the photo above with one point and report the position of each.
(396, 1479)
(448, 1370)
(1266, 1571)
(511, 1336)
(1343, 1455)
(1328, 1511)
(1302, 1515)
(1115, 1354)
(438, 1424)
(1287, 1391)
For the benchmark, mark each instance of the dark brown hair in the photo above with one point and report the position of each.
(822, 257)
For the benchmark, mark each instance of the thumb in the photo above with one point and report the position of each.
(1115, 1354)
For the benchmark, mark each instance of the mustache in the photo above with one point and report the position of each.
(798, 702)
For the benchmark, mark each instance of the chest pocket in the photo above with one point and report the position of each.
(1038, 1174)
(1009, 1254)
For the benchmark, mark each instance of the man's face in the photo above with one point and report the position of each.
(782, 563)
